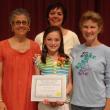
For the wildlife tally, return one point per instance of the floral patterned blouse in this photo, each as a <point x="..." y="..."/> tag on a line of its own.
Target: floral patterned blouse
<point x="60" y="66"/>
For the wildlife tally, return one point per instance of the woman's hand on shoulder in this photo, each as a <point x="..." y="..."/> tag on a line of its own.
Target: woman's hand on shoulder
<point x="36" y="58"/>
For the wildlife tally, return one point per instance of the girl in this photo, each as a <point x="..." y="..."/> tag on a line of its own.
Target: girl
<point x="53" y="60"/>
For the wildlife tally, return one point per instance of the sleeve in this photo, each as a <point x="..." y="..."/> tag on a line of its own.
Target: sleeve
<point x="76" y="40"/>
<point x="107" y="73"/>
<point x="39" y="39"/>
<point x="72" y="54"/>
<point x="37" y="48"/>
<point x="73" y="41"/>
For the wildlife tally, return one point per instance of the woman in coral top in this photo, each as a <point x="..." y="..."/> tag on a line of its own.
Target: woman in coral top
<point x="16" y="65"/>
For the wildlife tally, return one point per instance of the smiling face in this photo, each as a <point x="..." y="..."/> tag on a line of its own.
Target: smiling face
<point x="20" y="25"/>
<point x="90" y="31"/>
<point x="56" y="17"/>
<point x="52" y="42"/>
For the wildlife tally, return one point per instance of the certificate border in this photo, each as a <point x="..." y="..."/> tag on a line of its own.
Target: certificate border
<point x="41" y="77"/>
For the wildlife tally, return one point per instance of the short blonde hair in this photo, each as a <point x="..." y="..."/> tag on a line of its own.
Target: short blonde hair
<point x="91" y="15"/>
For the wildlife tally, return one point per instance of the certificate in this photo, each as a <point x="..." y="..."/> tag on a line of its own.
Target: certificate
<point x="51" y="87"/>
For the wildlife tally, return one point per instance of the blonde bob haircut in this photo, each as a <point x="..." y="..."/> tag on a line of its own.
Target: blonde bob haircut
<point x="91" y="15"/>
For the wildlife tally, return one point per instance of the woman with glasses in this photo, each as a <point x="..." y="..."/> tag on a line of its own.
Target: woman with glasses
<point x="16" y="64"/>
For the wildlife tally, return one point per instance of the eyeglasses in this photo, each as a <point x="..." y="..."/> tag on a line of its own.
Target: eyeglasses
<point x="18" y="22"/>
